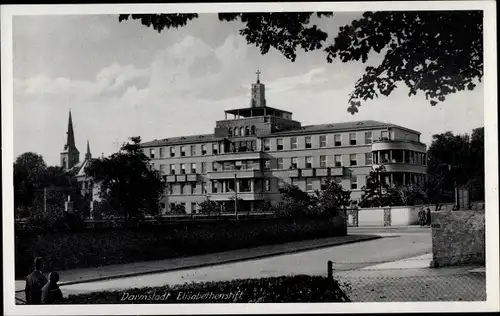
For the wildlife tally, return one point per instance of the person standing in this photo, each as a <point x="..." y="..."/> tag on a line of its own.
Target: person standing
<point x="421" y="216"/>
<point x="34" y="283"/>
<point x="428" y="217"/>
<point x="51" y="294"/>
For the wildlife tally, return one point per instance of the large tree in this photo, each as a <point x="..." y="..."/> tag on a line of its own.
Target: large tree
<point x="458" y="160"/>
<point x="128" y="183"/>
<point x="434" y="52"/>
<point x="29" y="170"/>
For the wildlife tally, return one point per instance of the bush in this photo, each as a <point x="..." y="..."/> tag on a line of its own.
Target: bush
<point x="70" y="250"/>
<point x="285" y="289"/>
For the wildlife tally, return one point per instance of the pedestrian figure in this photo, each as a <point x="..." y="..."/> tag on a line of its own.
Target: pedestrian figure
<point x="51" y="294"/>
<point x="421" y="216"/>
<point x="34" y="283"/>
<point x="428" y="217"/>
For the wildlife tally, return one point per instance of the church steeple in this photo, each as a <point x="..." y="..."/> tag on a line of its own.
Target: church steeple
<point x="88" y="155"/>
<point x="258" y="93"/>
<point x="70" y="156"/>
<point x="70" y="142"/>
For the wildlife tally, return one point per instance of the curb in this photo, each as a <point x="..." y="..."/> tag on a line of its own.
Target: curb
<point x="201" y="265"/>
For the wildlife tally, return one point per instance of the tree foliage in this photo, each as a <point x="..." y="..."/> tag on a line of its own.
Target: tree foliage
<point x="37" y="186"/>
<point x="326" y="202"/>
<point x="458" y="160"/>
<point x="128" y="182"/>
<point x="434" y="52"/>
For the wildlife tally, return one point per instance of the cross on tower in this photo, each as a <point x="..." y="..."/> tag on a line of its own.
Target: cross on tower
<point x="258" y="73"/>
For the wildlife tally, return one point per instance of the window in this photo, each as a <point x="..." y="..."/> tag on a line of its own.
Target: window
<point x="337" y="140"/>
<point x="203" y="167"/>
<point x="267" y="164"/>
<point x="172" y="169"/>
<point x="322" y="141"/>
<point x="193" y="207"/>
<point x="170" y="189"/>
<point x="152" y="153"/>
<point x="293" y="143"/>
<point x="308" y="142"/>
<point x="322" y="161"/>
<point x="279" y="144"/>
<point x="162" y="169"/>
<point x="182" y="188"/>
<point x="193" y="168"/>
<point x="214" y="166"/>
<point x="267" y="144"/>
<point x="309" y="184"/>
<point x="353" y="159"/>
<point x="309" y="162"/>
<point x="215" y="149"/>
<point x="295" y="163"/>
<point x="193" y="150"/>
<point x="267" y="185"/>
<point x="368" y="137"/>
<point x="236" y="131"/>
<point x="352" y="139"/>
<point x="193" y="188"/>
<point x="279" y="163"/>
<point x="368" y="159"/>
<point x="172" y="151"/>
<point x="242" y="131"/>
<point x="162" y="152"/>
<point x="183" y="168"/>
<point x="203" y="188"/>
<point x="384" y="135"/>
<point x="354" y="183"/>
<point x="203" y="149"/>
<point x="183" y="151"/>
<point x="252" y="130"/>
<point x="338" y="161"/>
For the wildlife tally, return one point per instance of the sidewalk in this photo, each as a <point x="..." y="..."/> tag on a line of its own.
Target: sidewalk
<point x="147" y="267"/>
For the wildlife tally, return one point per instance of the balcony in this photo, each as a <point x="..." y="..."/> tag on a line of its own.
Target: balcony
<point x="316" y="172"/>
<point x="171" y="178"/>
<point x="192" y="177"/>
<point x="387" y="144"/>
<point x="246" y="196"/>
<point x="246" y="155"/>
<point x="240" y="174"/>
<point x="402" y="167"/>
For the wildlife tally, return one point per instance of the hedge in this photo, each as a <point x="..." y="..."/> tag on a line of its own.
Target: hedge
<point x="85" y="249"/>
<point x="285" y="289"/>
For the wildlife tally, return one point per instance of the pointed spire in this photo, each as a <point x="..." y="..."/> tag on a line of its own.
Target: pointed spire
<point x="70" y="142"/>
<point x="88" y="155"/>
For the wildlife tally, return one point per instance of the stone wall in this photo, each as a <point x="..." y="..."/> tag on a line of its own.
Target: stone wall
<point x="458" y="237"/>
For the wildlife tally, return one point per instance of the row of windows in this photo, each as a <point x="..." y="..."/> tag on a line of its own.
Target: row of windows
<point x="267" y="164"/>
<point x="249" y="185"/>
<point x="337" y="141"/>
<point x="242" y="131"/>
<point x="294" y="144"/>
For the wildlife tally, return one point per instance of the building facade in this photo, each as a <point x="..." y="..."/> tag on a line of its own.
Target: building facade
<point x="256" y="150"/>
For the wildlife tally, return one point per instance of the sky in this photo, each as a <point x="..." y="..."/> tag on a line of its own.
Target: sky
<point x="124" y="79"/>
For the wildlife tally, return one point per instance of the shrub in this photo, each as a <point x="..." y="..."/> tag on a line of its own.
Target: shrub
<point x="284" y="289"/>
<point x="93" y="248"/>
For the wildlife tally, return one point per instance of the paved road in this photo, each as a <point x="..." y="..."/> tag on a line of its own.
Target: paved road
<point x="397" y="244"/>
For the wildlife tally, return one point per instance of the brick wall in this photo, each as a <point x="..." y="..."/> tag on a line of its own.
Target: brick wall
<point x="458" y="237"/>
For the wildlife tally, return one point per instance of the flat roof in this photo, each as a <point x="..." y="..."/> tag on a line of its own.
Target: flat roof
<point x="249" y="111"/>
<point x="333" y="127"/>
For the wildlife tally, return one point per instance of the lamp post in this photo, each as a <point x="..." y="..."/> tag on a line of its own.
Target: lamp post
<point x="235" y="196"/>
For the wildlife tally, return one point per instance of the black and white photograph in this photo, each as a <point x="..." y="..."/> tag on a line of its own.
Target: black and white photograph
<point x="240" y="157"/>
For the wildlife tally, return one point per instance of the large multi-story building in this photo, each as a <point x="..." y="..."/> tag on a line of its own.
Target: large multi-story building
<point x="253" y="154"/>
